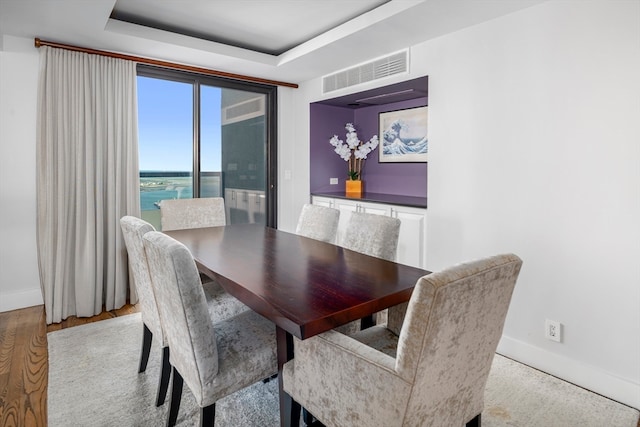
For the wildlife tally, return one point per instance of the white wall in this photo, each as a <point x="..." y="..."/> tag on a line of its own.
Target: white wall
<point x="293" y="156"/>
<point x="535" y="149"/>
<point x="19" y="279"/>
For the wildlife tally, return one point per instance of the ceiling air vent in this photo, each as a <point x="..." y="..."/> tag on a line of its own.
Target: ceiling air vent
<point x="391" y="65"/>
<point x="243" y="110"/>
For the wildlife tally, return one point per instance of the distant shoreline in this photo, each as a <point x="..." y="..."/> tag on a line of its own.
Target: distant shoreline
<point x="153" y="174"/>
<point x="156" y="186"/>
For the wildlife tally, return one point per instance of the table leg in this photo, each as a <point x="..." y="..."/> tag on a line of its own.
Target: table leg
<point x="289" y="409"/>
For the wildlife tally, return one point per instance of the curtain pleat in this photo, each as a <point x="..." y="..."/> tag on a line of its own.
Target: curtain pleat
<point x="87" y="179"/>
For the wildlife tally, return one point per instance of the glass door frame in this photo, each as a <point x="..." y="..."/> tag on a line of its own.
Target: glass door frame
<point x="270" y="92"/>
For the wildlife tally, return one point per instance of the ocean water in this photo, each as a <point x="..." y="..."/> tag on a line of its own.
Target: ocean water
<point x="154" y="189"/>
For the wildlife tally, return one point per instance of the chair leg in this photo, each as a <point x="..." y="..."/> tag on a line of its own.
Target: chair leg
<point x="208" y="415"/>
<point x="476" y="421"/>
<point x="307" y="417"/>
<point x="266" y="380"/>
<point x="176" y="396"/>
<point x="367" y="322"/>
<point x="146" y="348"/>
<point x="165" y="374"/>
<point x="293" y="410"/>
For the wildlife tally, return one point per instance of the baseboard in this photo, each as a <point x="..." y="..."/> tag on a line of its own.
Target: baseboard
<point x="581" y="374"/>
<point x="15" y="300"/>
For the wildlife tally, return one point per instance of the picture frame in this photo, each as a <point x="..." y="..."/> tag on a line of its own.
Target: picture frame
<point x="403" y="136"/>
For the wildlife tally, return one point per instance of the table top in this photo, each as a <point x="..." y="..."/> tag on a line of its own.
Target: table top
<point x="304" y="286"/>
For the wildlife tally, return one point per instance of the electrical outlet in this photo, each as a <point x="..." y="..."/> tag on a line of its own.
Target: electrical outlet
<point x="553" y="330"/>
<point x="333" y="181"/>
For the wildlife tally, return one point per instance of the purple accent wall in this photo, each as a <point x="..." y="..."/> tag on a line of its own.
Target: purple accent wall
<point x="409" y="179"/>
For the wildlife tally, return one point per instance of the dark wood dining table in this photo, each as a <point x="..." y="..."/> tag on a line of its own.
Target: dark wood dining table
<point x="304" y="286"/>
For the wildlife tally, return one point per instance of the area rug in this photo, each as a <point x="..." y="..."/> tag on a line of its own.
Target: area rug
<point x="93" y="380"/>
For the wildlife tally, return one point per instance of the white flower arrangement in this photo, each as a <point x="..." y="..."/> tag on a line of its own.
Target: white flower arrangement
<point x="353" y="151"/>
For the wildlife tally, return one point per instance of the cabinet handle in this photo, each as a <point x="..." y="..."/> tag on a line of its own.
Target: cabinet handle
<point x="233" y="195"/>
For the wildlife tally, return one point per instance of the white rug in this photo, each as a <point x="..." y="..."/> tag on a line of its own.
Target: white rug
<point x="93" y="380"/>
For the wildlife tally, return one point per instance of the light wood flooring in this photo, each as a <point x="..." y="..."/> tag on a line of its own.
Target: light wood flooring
<point x="24" y="365"/>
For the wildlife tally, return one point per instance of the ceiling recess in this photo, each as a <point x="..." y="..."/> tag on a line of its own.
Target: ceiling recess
<point x="391" y="65"/>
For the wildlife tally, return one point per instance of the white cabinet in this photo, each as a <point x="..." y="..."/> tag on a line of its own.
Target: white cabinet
<point x="346" y="208"/>
<point x="244" y="206"/>
<point x="413" y="229"/>
<point x="256" y="205"/>
<point x="323" y="201"/>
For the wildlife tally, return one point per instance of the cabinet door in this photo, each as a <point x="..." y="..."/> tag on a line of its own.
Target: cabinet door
<point x="229" y="202"/>
<point x="374" y="208"/>
<point x="411" y="242"/>
<point x="237" y="206"/>
<point x="322" y="201"/>
<point x="346" y="208"/>
<point x="256" y="206"/>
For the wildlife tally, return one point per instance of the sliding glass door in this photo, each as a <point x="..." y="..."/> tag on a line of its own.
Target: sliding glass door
<point x="206" y="137"/>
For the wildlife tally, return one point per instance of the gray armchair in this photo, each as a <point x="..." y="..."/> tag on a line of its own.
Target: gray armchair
<point x="318" y="222"/>
<point x="213" y="359"/>
<point x="432" y="373"/>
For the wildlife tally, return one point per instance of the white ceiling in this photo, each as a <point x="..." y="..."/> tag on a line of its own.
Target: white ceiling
<point x="246" y="23"/>
<point x="286" y="40"/>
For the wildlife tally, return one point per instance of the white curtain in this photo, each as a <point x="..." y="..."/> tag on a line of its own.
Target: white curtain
<point x="87" y="179"/>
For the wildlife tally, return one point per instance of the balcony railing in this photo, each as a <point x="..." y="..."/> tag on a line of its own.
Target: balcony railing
<point x="156" y="186"/>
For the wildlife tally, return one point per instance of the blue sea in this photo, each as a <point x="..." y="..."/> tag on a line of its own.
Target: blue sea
<point x="165" y="186"/>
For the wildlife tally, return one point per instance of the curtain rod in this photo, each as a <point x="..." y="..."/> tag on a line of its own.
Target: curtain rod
<point x="166" y="64"/>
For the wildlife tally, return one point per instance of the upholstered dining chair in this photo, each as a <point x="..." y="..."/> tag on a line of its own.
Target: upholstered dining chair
<point x="179" y="214"/>
<point x="318" y="222"/>
<point x="370" y="234"/>
<point x="374" y="235"/>
<point x="215" y="359"/>
<point x="426" y="367"/>
<point x="222" y="305"/>
<point x="133" y="229"/>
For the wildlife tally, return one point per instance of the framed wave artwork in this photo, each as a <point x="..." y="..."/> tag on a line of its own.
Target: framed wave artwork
<point x="403" y="135"/>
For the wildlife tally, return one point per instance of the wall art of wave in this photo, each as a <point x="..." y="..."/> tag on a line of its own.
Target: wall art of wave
<point x="401" y="146"/>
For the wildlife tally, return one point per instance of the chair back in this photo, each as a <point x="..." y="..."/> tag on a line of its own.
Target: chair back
<point x="453" y="323"/>
<point x="183" y="311"/>
<point x="133" y="229"/>
<point x="374" y="235"/>
<point x="179" y="214"/>
<point x="318" y="222"/>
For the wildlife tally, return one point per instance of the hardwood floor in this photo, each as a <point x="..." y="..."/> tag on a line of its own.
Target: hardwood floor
<point x="24" y="366"/>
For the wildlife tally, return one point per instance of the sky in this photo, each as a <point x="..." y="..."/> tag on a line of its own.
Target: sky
<point x="165" y="125"/>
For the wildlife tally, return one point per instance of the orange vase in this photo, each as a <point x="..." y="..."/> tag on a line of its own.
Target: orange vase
<point x="353" y="188"/>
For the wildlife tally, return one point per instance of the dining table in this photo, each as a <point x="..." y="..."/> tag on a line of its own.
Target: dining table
<point x="304" y="286"/>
